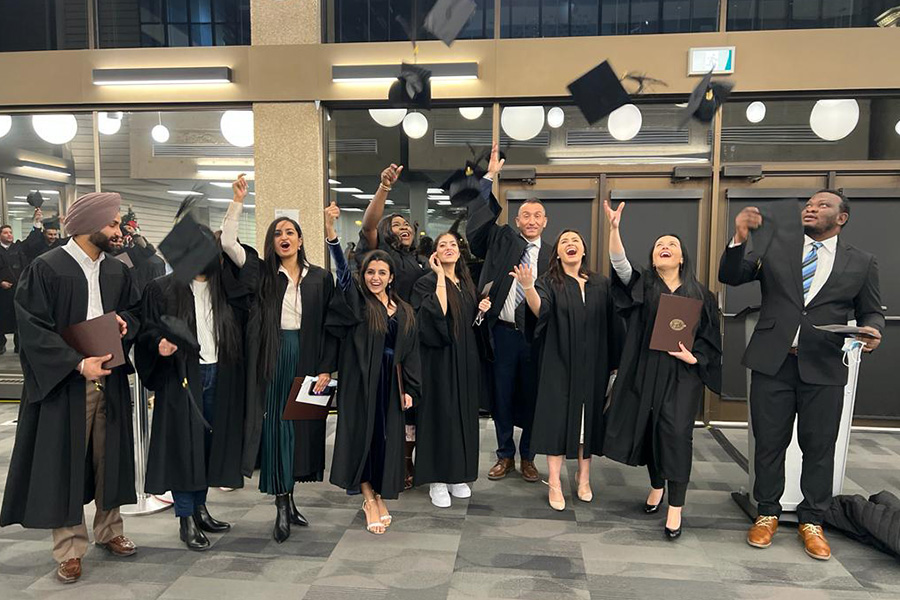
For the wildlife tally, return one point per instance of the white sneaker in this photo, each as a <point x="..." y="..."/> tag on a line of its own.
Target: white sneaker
<point x="460" y="490"/>
<point x="440" y="497"/>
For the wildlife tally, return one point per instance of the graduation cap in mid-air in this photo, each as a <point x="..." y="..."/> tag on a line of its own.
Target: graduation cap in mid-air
<point x="706" y="99"/>
<point x="412" y="88"/>
<point x="35" y="199"/>
<point x="464" y="185"/>
<point x="598" y="92"/>
<point x="189" y="248"/>
<point x="448" y="17"/>
<point x="187" y="205"/>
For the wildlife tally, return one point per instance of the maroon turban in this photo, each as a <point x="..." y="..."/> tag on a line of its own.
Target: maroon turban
<point x="92" y="212"/>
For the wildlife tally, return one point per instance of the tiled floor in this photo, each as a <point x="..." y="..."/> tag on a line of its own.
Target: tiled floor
<point x="503" y="543"/>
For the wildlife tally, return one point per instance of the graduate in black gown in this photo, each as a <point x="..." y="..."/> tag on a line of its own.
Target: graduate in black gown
<point x="12" y="262"/>
<point x="656" y="394"/>
<point x="447" y="424"/>
<point x="379" y="356"/>
<point x="395" y="235"/>
<point x="197" y="438"/>
<point x="578" y="337"/>
<point x="285" y="339"/>
<point x="74" y="439"/>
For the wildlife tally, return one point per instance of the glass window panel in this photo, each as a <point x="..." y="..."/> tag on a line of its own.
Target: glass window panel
<point x="525" y="19"/>
<point x="151" y="10"/>
<point x="785" y="134"/>
<point x="177" y="11"/>
<point x="225" y="11"/>
<point x="201" y="35"/>
<point x="585" y="17"/>
<point x="644" y="16"/>
<point x="225" y="35"/>
<point x="201" y="11"/>
<point x="153" y="35"/>
<point x="745" y="15"/>
<point x="178" y="35"/>
<point x="34" y="25"/>
<point x="614" y="18"/>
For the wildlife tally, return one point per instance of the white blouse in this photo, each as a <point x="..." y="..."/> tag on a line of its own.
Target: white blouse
<point x="209" y="354"/>
<point x="292" y="306"/>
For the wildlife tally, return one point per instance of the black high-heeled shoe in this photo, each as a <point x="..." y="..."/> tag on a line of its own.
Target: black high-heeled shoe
<point x="673" y="534"/>
<point x="207" y="523"/>
<point x="651" y="509"/>
<point x="296" y="517"/>
<point x="191" y="535"/>
<point x="282" y="529"/>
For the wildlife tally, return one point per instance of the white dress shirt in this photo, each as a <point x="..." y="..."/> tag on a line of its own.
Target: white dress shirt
<point x="91" y="269"/>
<point x="508" y="313"/>
<point x="292" y="306"/>
<point x="229" y="238"/>
<point x="824" y="265"/>
<point x="206" y="333"/>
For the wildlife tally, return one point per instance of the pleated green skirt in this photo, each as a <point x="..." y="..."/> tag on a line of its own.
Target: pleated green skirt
<point x="276" y="472"/>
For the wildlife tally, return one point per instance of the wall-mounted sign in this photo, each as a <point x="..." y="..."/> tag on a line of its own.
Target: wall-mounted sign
<point x="719" y="60"/>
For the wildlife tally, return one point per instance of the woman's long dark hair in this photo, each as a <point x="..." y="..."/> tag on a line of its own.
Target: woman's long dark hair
<point x="689" y="284"/>
<point x="375" y="311"/>
<point x="466" y="285"/>
<point x="556" y="274"/>
<point x="269" y="293"/>
<point x="387" y="235"/>
<point x="227" y="331"/>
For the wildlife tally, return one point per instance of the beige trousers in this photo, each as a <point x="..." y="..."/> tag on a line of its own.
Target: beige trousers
<point x="72" y="542"/>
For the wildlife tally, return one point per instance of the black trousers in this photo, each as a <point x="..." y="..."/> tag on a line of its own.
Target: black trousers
<point x="512" y="363"/>
<point x="774" y="401"/>
<point x="677" y="489"/>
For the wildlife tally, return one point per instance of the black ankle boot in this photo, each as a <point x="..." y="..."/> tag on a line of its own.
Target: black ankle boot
<point x="282" y="530"/>
<point x="191" y="535"/>
<point x="206" y="523"/>
<point x="296" y="517"/>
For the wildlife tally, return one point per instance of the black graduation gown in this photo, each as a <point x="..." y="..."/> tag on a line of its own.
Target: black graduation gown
<point x="35" y="245"/>
<point x="652" y="386"/>
<point x="51" y="473"/>
<point x="579" y="342"/>
<point x="318" y="354"/>
<point x="447" y="423"/>
<point x="407" y="267"/>
<point x="359" y="368"/>
<point x="12" y="261"/>
<point x="177" y="456"/>
<point x="147" y="265"/>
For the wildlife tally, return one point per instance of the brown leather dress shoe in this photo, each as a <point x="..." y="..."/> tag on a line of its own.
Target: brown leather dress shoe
<point x="120" y="546"/>
<point x="814" y="541"/>
<point x="69" y="571"/>
<point x="501" y="468"/>
<point x="529" y="471"/>
<point x="762" y="531"/>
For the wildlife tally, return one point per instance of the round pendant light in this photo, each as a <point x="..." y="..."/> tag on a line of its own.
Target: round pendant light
<point x="415" y="125"/>
<point x="55" y="129"/>
<point x="756" y="112"/>
<point x="471" y="112"/>
<point x="833" y="120"/>
<point x="5" y="124"/>
<point x="556" y="117"/>
<point x="237" y="127"/>
<point x="625" y="122"/>
<point x="522" y="123"/>
<point x="107" y="124"/>
<point x="387" y="117"/>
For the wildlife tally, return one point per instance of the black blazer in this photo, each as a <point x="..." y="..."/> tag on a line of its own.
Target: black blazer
<point x="850" y="291"/>
<point x="502" y="248"/>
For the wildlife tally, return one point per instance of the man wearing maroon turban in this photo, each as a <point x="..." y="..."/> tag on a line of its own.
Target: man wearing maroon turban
<point x="74" y="439"/>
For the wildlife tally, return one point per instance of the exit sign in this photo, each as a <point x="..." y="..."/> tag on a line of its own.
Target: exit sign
<point x="718" y="60"/>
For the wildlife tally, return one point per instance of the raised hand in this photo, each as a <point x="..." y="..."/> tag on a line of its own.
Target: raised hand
<point x="684" y="355"/>
<point x="38" y="215"/>
<point x="747" y="219"/>
<point x="524" y="276"/>
<point x="167" y="348"/>
<point x="496" y="163"/>
<point x="240" y="188"/>
<point x="613" y="216"/>
<point x="332" y="212"/>
<point x="435" y="263"/>
<point x="390" y="175"/>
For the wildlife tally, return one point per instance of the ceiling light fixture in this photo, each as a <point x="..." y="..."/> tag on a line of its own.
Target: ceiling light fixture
<point x="162" y="76"/>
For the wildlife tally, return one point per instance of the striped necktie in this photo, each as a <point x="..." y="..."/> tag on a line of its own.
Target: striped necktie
<point x="525" y="263"/>
<point x="809" y="267"/>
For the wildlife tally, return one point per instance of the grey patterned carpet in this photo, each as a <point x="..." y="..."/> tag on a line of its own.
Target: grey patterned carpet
<point x="503" y="543"/>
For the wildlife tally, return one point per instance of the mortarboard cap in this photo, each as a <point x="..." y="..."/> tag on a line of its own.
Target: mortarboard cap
<point x="189" y="248"/>
<point x="448" y="17"/>
<point x="51" y="223"/>
<point x="464" y="185"/>
<point x="187" y="205"/>
<point x="177" y="332"/>
<point x="412" y="88"/>
<point x="35" y="199"/>
<point x="706" y="98"/>
<point x="598" y="92"/>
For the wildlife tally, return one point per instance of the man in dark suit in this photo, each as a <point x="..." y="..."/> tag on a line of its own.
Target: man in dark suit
<point x="807" y="278"/>
<point x="502" y="248"/>
<point x="12" y="261"/>
<point x="43" y="237"/>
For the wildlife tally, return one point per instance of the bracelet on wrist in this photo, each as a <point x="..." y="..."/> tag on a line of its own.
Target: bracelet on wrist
<point x="527" y="288"/>
<point x="384" y="187"/>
